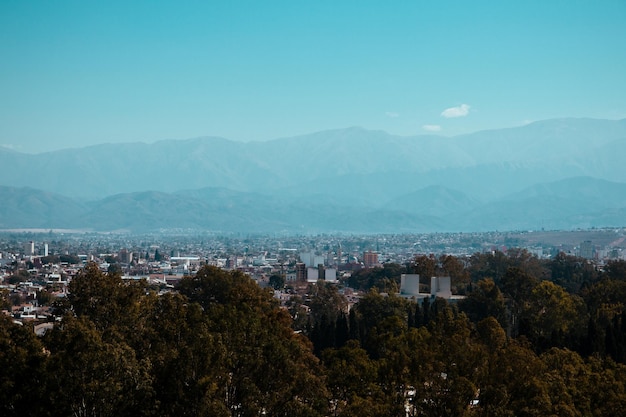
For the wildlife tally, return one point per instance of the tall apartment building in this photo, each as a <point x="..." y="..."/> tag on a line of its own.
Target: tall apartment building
<point x="370" y="259"/>
<point x="301" y="270"/>
<point x="586" y="250"/>
<point x="29" y="248"/>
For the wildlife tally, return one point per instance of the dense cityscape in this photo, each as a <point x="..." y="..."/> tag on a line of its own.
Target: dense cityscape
<point x="32" y="262"/>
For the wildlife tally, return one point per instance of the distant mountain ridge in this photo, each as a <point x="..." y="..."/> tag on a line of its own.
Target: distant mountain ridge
<point x="432" y="209"/>
<point x="553" y="173"/>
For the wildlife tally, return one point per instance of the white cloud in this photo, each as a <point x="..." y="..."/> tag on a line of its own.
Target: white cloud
<point x="432" y="128"/>
<point x="460" y="111"/>
<point x="392" y="114"/>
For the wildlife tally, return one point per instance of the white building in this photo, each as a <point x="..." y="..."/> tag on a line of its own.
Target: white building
<point x="439" y="287"/>
<point x="29" y="248"/>
<point x="311" y="260"/>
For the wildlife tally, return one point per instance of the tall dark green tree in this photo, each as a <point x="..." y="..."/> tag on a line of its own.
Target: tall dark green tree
<point x="484" y="301"/>
<point x="90" y="376"/>
<point x="22" y="371"/>
<point x="267" y="368"/>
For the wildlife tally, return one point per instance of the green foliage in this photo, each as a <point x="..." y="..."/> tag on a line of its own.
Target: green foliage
<point x="495" y="265"/>
<point x="379" y="317"/>
<point x="616" y="270"/>
<point x="265" y="366"/>
<point x="105" y="299"/>
<point x="325" y="301"/>
<point x="44" y="298"/>
<point x="385" y="279"/>
<point x="552" y="314"/>
<point x="426" y="267"/>
<point x="92" y="376"/>
<point x="277" y="281"/>
<point x="571" y="272"/>
<point x="5" y="299"/>
<point x="70" y="259"/>
<point x="50" y="259"/>
<point x="452" y="267"/>
<point x="485" y="300"/>
<point x="22" y="370"/>
<point x="21" y="275"/>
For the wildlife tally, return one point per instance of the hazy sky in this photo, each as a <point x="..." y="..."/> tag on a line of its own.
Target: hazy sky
<point x="75" y="73"/>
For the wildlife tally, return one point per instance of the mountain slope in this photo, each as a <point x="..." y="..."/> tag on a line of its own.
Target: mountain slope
<point x="573" y="203"/>
<point x="433" y="201"/>
<point x="579" y="202"/>
<point x="31" y="208"/>
<point x="482" y="164"/>
<point x="555" y="174"/>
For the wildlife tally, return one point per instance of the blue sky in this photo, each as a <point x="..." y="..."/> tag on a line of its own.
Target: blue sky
<point x="76" y="73"/>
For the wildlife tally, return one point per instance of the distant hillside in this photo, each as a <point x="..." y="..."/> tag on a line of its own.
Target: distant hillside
<point x="28" y="207"/>
<point x="350" y="162"/>
<point x="580" y="202"/>
<point x="434" y="201"/>
<point x="573" y="203"/>
<point x="560" y="173"/>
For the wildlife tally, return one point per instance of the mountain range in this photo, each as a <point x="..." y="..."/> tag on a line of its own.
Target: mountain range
<point x="556" y="174"/>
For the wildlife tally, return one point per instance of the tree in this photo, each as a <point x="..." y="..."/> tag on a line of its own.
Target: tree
<point x="571" y="272"/>
<point x="616" y="269"/>
<point x="517" y="286"/>
<point x="22" y="371"/>
<point x="380" y="315"/>
<point x="44" y="298"/>
<point x="187" y="358"/>
<point x="93" y="377"/>
<point x="512" y="384"/>
<point x="496" y="264"/>
<point x="21" y="275"/>
<point x="325" y="301"/>
<point x="277" y="281"/>
<point x="484" y="301"/>
<point x="257" y="341"/>
<point x="385" y="279"/>
<point x="106" y="300"/>
<point x="552" y="314"/>
<point x="451" y="266"/>
<point x="491" y="334"/>
<point x="444" y="364"/>
<point x="488" y="265"/>
<point x="426" y="267"/>
<point x="70" y="259"/>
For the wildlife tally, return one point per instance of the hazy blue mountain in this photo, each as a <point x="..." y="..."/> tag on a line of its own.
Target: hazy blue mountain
<point x="576" y="202"/>
<point x="354" y="160"/>
<point x="558" y="173"/>
<point x="433" y="201"/>
<point x="591" y="192"/>
<point x="544" y="140"/>
<point x="231" y="211"/>
<point x="30" y="208"/>
<point x="579" y="202"/>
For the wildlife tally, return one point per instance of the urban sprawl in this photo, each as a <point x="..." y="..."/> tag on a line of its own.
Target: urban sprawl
<point x="36" y="268"/>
